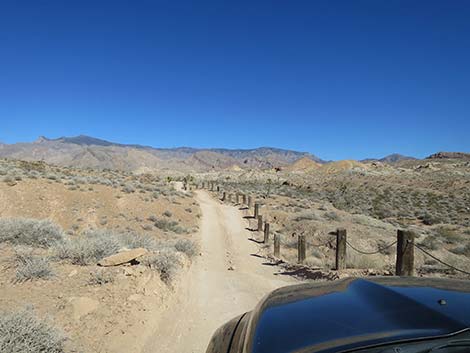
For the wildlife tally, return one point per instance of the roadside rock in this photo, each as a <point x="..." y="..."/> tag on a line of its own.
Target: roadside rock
<point x="122" y="257"/>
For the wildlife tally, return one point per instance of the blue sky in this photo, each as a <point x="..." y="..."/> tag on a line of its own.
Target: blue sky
<point x="340" y="79"/>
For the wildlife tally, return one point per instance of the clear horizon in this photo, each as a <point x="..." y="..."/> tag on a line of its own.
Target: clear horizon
<point x="340" y="80"/>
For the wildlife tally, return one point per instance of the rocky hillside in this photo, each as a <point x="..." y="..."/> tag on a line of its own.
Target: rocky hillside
<point x="450" y="155"/>
<point x="89" y="152"/>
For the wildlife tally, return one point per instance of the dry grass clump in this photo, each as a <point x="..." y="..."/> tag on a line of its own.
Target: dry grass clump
<point x="166" y="261"/>
<point x="170" y="226"/>
<point x="188" y="247"/>
<point x="100" y="277"/>
<point x="87" y="248"/>
<point x="361" y="261"/>
<point x="31" y="232"/>
<point x="23" y="332"/>
<point x="30" y="267"/>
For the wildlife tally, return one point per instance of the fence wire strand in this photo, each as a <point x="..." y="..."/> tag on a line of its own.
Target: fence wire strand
<point x="439" y="260"/>
<point x="379" y="250"/>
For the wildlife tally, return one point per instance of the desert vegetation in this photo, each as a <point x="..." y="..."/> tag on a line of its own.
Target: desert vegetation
<point x="57" y="224"/>
<point x="371" y="200"/>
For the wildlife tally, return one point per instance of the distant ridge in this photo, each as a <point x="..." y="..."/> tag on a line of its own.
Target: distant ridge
<point x="391" y="158"/>
<point x="91" y="152"/>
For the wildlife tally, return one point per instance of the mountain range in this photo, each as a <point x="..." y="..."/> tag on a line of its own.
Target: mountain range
<point x="90" y="152"/>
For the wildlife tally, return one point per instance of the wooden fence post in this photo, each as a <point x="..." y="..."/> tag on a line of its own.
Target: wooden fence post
<point x="237" y="198"/>
<point x="277" y="245"/>
<point x="266" y="232"/>
<point x="255" y="215"/>
<point x="405" y="253"/>
<point x="301" y="250"/>
<point x="341" y="249"/>
<point x="223" y="196"/>
<point x="218" y="188"/>
<point x="249" y="201"/>
<point x="244" y="199"/>
<point x="260" y="223"/>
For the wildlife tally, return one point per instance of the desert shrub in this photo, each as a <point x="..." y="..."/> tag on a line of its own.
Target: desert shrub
<point x="128" y="189"/>
<point x="8" y="179"/>
<point x="169" y="226"/>
<point x="356" y="260"/>
<point x="430" y="219"/>
<point x="88" y="248"/>
<point x="152" y="218"/>
<point x="187" y="247"/>
<point x="167" y="214"/>
<point x="447" y="234"/>
<point x="312" y="261"/>
<point x="100" y="277"/>
<point x="23" y="332"/>
<point x="332" y="216"/>
<point x="462" y="250"/>
<point x="91" y="246"/>
<point x="306" y="216"/>
<point x="167" y="262"/>
<point x="146" y="227"/>
<point x="133" y="240"/>
<point x="31" y="232"/>
<point x="30" y="267"/>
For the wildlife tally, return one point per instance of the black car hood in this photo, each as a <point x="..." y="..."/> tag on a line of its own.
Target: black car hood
<point x="354" y="313"/>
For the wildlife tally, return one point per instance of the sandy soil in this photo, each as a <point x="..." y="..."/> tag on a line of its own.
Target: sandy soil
<point x="227" y="280"/>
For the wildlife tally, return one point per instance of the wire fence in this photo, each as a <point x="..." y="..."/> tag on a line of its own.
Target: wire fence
<point x="441" y="261"/>
<point x="380" y="249"/>
<point x="427" y="253"/>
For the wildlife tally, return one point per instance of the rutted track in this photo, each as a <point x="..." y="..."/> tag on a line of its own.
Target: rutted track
<point x="211" y="293"/>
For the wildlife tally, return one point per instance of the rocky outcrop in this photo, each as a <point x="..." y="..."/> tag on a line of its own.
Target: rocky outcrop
<point x="450" y="155"/>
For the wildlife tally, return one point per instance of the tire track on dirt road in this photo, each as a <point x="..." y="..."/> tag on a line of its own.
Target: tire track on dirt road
<point x="211" y="294"/>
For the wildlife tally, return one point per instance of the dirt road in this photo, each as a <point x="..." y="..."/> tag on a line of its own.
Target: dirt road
<point x="211" y="293"/>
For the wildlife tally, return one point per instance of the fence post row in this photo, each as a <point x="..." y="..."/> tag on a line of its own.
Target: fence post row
<point x="301" y="250"/>
<point x="341" y="249"/>
<point x="277" y="245"/>
<point x="405" y="253"/>
<point x="266" y="232"/>
<point x="405" y="238"/>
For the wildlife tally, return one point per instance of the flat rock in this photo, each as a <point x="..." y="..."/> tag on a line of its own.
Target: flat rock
<point x="122" y="257"/>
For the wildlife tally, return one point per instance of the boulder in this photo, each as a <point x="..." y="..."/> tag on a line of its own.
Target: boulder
<point x="122" y="257"/>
